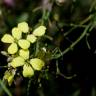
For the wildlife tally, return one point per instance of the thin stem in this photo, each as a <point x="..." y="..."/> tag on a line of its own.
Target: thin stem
<point x="75" y="25"/>
<point x="88" y="45"/>
<point x="73" y="44"/>
<point x="92" y="5"/>
<point x="79" y="25"/>
<point x="86" y="19"/>
<point x="3" y="66"/>
<point x="29" y="85"/>
<point x="68" y="32"/>
<point x="5" y="88"/>
<point x="37" y="48"/>
<point x="36" y="9"/>
<point x="59" y="73"/>
<point x="43" y="15"/>
<point x="48" y="37"/>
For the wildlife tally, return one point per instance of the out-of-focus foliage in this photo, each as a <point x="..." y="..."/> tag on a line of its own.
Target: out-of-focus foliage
<point x="70" y="38"/>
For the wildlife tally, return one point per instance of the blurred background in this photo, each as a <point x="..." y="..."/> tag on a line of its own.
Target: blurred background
<point x="67" y="21"/>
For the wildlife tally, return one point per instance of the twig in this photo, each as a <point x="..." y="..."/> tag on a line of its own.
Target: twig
<point x="73" y="44"/>
<point x="3" y="66"/>
<point x="64" y="76"/>
<point x="78" y="25"/>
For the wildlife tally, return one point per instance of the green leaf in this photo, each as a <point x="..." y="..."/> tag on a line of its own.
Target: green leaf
<point x="5" y="88"/>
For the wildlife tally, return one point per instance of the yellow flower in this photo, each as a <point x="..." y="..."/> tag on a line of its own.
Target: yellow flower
<point x="24" y="44"/>
<point x="24" y="53"/>
<point x="23" y="26"/>
<point x="7" y="38"/>
<point x="27" y="71"/>
<point x="40" y="31"/>
<point x="36" y="63"/>
<point x="9" y="76"/>
<point x="15" y="40"/>
<point x="10" y="79"/>
<point x="31" y="38"/>
<point x="18" y="61"/>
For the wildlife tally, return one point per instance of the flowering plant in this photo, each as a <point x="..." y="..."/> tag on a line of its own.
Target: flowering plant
<point x="19" y="51"/>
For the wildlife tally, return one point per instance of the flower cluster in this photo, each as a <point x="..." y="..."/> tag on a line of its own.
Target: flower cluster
<point x="19" y="47"/>
<point x="16" y="38"/>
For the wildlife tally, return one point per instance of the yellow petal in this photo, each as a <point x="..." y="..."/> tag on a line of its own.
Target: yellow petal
<point x="27" y="71"/>
<point x="24" y="44"/>
<point x="18" y="61"/>
<point x="37" y="64"/>
<point x="12" y="49"/>
<point x="9" y="77"/>
<point x="40" y="31"/>
<point x="31" y="38"/>
<point x="24" y="53"/>
<point x="16" y="33"/>
<point x="23" y="26"/>
<point x="7" y="38"/>
<point x="6" y="74"/>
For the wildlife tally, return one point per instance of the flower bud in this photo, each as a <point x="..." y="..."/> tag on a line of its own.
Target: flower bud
<point x="9" y="77"/>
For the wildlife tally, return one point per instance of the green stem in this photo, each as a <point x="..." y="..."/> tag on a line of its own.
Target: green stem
<point x="3" y="66"/>
<point x="37" y="48"/>
<point x="78" y="25"/>
<point x="36" y="9"/>
<point x="68" y="32"/>
<point x="5" y="88"/>
<point x="29" y="85"/>
<point x="73" y="44"/>
<point x="86" y="19"/>
<point x="48" y="37"/>
<point x="92" y="5"/>
<point x="75" y="25"/>
<point x="43" y="15"/>
<point x="88" y="45"/>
